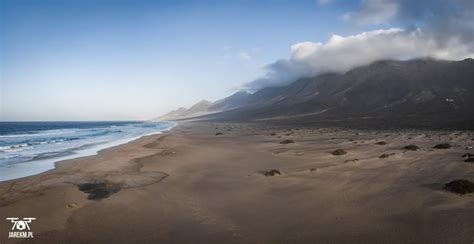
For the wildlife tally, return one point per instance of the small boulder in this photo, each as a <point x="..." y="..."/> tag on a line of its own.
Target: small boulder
<point x="287" y="141"/>
<point x="411" y="148"/>
<point x="219" y="134"/>
<point x="460" y="186"/>
<point x="272" y="172"/>
<point x="381" y="143"/>
<point x="339" y="152"/>
<point x="443" y="146"/>
<point x="72" y="205"/>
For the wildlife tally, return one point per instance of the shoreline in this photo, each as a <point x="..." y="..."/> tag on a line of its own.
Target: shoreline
<point x="62" y="162"/>
<point x="45" y="164"/>
<point x="193" y="184"/>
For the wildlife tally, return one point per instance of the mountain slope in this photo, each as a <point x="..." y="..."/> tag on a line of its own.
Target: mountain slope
<point x="419" y="90"/>
<point x="177" y="113"/>
<point x="235" y="100"/>
<point x="197" y="109"/>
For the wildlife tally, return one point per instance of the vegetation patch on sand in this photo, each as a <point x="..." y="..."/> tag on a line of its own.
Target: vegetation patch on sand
<point x="411" y="148"/>
<point x="443" y="146"/>
<point x="460" y="186"/>
<point x="98" y="190"/>
<point x="386" y="155"/>
<point x="469" y="160"/>
<point x="272" y="172"/>
<point x="468" y="156"/>
<point x="351" y="160"/>
<point x="339" y="152"/>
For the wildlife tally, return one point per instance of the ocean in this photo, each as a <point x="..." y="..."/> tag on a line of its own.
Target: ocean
<point x="28" y="148"/>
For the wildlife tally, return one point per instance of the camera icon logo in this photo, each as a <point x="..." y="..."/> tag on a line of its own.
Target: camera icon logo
<point x="21" y="224"/>
<point x="21" y="227"/>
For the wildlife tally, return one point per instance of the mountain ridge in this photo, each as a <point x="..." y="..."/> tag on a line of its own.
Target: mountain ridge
<point x="420" y="89"/>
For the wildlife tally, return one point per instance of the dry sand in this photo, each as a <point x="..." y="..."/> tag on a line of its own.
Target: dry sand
<point x="191" y="186"/>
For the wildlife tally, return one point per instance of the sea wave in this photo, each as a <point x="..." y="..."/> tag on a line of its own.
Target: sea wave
<point x="26" y="144"/>
<point x="55" y="144"/>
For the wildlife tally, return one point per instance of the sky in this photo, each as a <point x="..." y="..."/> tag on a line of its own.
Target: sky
<point x="138" y="59"/>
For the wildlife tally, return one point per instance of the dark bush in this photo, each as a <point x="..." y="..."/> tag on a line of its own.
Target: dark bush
<point x="469" y="160"/>
<point x="272" y="172"/>
<point x="443" y="146"/>
<point x="339" y="152"/>
<point x="351" y="160"/>
<point x="386" y="155"/>
<point x="460" y="186"/>
<point x="411" y="148"/>
<point x="98" y="190"/>
<point x="468" y="155"/>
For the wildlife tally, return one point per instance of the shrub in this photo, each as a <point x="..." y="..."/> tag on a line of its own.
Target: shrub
<point x="411" y="148"/>
<point x="272" y="172"/>
<point x="460" y="186"/>
<point x="339" y="152"/>
<point x="443" y="146"/>
<point x="386" y="155"/>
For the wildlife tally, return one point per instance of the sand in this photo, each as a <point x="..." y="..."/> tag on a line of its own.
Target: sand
<point x="190" y="185"/>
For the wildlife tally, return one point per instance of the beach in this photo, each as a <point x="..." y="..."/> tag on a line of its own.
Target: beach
<point x="207" y="182"/>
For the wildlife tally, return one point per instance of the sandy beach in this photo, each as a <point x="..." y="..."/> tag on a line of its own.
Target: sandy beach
<point x="205" y="183"/>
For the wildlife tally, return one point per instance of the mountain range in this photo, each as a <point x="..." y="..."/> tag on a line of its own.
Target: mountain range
<point x="387" y="93"/>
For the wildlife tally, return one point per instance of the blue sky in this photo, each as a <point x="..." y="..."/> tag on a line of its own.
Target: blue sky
<point x="122" y="60"/>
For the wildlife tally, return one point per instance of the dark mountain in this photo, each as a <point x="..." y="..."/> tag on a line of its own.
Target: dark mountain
<point x="422" y="92"/>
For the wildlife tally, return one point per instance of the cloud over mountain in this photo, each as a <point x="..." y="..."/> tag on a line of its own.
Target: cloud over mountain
<point x="445" y="30"/>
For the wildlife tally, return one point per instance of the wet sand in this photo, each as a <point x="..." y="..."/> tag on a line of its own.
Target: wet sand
<point x="193" y="186"/>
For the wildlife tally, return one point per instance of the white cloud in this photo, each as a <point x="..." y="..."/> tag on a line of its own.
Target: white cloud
<point x="373" y="12"/>
<point x="242" y="55"/>
<point x="340" y="54"/>
<point x="439" y="29"/>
